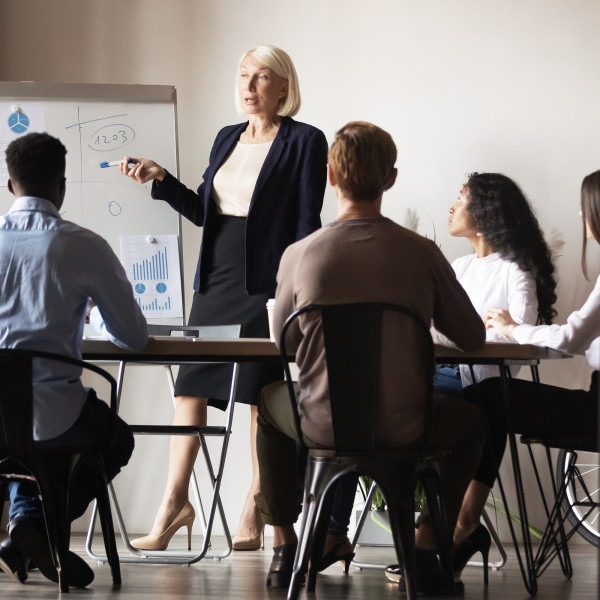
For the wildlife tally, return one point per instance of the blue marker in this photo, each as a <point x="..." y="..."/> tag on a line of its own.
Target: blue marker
<point x="113" y="163"/>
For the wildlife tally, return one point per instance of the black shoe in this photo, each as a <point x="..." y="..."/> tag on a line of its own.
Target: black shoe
<point x="282" y="565"/>
<point x="478" y="541"/>
<point x="12" y="562"/>
<point x="430" y="579"/>
<point x="340" y="549"/>
<point x="29" y="536"/>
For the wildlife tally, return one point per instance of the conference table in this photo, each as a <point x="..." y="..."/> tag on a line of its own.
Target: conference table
<point x="177" y="350"/>
<point x="181" y="350"/>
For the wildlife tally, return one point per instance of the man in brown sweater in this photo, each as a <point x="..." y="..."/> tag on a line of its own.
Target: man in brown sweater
<point x="362" y="256"/>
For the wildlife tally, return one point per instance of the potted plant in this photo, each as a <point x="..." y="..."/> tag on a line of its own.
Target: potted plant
<point x="376" y="530"/>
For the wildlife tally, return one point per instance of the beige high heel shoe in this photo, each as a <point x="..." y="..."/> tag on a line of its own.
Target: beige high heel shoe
<point x="160" y="542"/>
<point x="254" y="542"/>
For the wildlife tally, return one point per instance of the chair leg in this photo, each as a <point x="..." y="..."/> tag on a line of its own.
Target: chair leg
<point x="318" y="476"/>
<point x="318" y="539"/>
<point x="309" y="513"/>
<point x="55" y="503"/>
<point x="108" y="531"/>
<point x="432" y="484"/>
<point x="401" y="513"/>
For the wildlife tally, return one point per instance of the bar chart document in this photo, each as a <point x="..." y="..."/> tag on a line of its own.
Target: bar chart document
<point x="152" y="265"/>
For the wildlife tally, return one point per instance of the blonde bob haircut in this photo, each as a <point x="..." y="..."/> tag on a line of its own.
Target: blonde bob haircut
<point x="281" y="64"/>
<point x="362" y="157"/>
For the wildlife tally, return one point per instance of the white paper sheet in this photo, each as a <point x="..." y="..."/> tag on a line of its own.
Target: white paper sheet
<point x="152" y="266"/>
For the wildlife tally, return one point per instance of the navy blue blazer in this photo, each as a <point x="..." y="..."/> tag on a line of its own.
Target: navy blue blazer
<point x="285" y="206"/>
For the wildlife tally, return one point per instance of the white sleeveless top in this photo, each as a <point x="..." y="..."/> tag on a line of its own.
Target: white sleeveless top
<point x="235" y="181"/>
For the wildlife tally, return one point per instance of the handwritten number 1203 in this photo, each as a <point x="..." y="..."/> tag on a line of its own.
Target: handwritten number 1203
<point x="111" y="137"/>
<point x="102" y="139"/>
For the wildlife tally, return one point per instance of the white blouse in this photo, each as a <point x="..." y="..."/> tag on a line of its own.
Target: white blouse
<point x="491" y="282"/>
<point x="581" y="333"/>
<point x="235" y="180"/>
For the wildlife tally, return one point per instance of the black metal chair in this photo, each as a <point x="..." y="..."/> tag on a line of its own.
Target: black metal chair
<point x="572" y="501"/>
<point x="352" y="338"/>
<point x="53" y="469"/>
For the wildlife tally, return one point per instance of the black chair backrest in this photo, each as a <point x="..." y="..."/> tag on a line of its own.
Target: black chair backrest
<point x="199" y="331"/>
<point x="354" y="337"/>
<point x="16" y="397"/>
<point x="16" y="402"/>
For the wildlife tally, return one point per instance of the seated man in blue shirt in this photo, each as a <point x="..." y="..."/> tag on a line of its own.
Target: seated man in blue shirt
<point x="50" y="269"/>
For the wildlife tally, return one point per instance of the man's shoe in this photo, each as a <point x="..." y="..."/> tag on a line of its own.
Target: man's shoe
<point x="282" y="565"/>
<point x="29" y="536"/>
<point x="12" y="562"/>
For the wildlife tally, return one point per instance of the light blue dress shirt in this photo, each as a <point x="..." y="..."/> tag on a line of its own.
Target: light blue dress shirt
<point x="49" y="268"/>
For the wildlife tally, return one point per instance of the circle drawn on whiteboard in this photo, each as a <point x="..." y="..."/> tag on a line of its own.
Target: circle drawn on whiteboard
<point x="18" y="122"/>
<point x="114" y="208"/>
<point x="140" y="288"/>
<point x="161" y="288"/>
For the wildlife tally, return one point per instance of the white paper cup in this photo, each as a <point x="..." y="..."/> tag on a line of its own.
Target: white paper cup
<point x="270" y="313"/>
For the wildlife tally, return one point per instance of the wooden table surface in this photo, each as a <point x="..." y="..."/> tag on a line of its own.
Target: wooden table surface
<point x="251" y="349"/>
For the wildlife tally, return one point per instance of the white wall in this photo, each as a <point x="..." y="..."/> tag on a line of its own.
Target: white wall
<point x="468" y="85"/>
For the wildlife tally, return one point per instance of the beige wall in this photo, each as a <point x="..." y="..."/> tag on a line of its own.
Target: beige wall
<point x="462" y="86"/>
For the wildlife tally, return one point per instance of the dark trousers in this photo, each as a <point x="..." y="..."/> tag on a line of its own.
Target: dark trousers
<point x="456" y="430"/>
<point x="91" y="425"/>
<point x="535" y="409"/>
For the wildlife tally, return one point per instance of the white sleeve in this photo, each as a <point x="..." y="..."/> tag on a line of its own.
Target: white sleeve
<point x="522" y="296"/>
<point x="521" y="303"/>
<point x="117" y="315"/>
<point x="576" y="336"/>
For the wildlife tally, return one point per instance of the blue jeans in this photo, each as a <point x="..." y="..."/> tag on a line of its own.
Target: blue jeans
<point x="90" y="425"/>
<point x="446" y="380"/>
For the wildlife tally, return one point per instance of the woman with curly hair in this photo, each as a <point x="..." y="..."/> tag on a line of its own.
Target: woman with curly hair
<point x="537" y="409"/>
<point x="511" y="267"/>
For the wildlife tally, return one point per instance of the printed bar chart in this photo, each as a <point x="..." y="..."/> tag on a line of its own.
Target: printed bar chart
<point x="155" y="268"/>
<point x="152" y="266"/>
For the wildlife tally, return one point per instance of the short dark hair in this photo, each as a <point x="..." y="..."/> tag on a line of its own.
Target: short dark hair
<point x="362" y="158"/>
<point x="35" y="160"/>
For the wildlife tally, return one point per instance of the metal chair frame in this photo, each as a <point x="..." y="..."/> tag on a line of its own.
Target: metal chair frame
<point x="326" y="467"/>
<point x="172" y="556"/>
<point x="53" y="469"/>
<point x="554" y="542"/>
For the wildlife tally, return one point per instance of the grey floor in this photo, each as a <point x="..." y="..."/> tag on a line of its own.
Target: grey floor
<point x="242" y="575"/>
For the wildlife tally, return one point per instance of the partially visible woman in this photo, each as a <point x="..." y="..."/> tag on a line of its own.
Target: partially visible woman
<point x="263" y="189"/>
<point x="537" y="409"/>
<point x="511" y="267"/>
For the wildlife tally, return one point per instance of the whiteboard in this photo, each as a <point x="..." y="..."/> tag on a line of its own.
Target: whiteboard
<point x="97" y="123"/>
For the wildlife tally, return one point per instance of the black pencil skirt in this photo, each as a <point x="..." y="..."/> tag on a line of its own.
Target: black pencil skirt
<point x="226" y="302"/>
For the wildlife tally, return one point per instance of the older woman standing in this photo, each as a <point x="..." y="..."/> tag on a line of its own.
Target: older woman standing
<point x="263" y="190"/>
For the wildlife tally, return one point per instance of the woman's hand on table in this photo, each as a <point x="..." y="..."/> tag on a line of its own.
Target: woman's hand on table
<point x="142" y="169"/>
<point x="500" y="320"/>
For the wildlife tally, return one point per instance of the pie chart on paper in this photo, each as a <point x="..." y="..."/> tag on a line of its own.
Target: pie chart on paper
<point x="18" y="122"/>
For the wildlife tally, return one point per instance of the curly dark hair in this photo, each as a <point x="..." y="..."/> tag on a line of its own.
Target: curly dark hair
<point x="506" y="221"/>
<point x="35" y="160"/>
